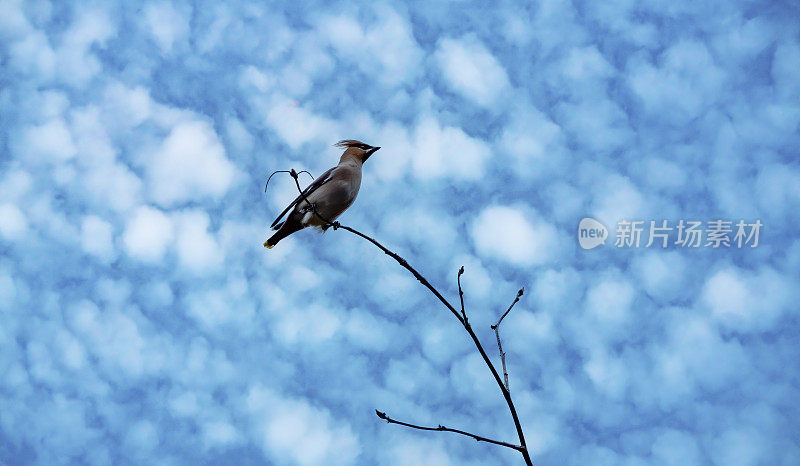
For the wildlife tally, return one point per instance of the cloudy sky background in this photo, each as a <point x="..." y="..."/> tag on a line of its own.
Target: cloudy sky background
<point x="141" y="320"/>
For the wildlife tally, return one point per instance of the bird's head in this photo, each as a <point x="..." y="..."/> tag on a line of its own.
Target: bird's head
<point x="357" y="149"/>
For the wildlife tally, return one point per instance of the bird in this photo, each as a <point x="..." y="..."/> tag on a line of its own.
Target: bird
<point x="331" y="194"/>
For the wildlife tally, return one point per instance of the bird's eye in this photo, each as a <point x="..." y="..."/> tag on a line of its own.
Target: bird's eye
<point x="364" y="146"/>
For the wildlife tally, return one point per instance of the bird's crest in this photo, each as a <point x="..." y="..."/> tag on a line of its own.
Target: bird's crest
<point x="351" y="143"/>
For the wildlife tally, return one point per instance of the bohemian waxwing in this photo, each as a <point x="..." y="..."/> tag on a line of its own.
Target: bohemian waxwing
<point x="332" y="193"/>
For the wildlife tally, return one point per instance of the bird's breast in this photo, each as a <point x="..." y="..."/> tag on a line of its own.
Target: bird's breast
<point x="338" y="194"/>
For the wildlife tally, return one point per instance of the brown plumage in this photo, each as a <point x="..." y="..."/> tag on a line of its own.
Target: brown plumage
<point x="331" y="193"/>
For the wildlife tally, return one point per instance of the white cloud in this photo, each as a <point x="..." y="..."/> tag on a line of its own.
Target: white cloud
<point x="662" y="274"/>
<point x="126" y="134"/>
<point x="8" y="288"/>
<point x="15" y="185"/>
<point x="784" y="69"/>
<point x="476" y="280"/>
<point x="77" y="64"/>
<point x="777" y="191"/>
<point x="292" y="431"/>
<point x="442" y="344"/>
<point x="367" y="331"/>
<point x="34" y="55"/>
<point x="676" y="448"/>
<point x="471" y="380"/>
<point x="382" y="47"/>
<point x="446" y="151"/>
<point x="395" y="291"/>
<point x="555" y="27"/>
<point x="121" y="344"/>
<point x="740" y="446"/>
<point x="92" y="140"/>
<point x="616" y="198"/>
<point x="609" y="301"/>
<point x="471" y="70"/>
<point x="684" y="85"/>
<point x="598" y="124"/>
<point x="407" y="449"/>
<point x="148" y="234"/>
<point x="525" y="330"/>
<point x="14" y="224"/>
<point x="223" y="306"/>
<point x="409" y="374"/>
<point x="743" y="42"/>
<point x="607" y="373"/>
<point x="142" y="436"/>
<point x="306" y="324"/>
<point x="12" y="18"/>
<point x="296" y="125"/>
<point x="583" y="73"/>
<point x="515" y="236"/>
<point x="166" y="24"/>
<point x="619" y="18"/>
<point x="536" y="143"/>
<point x="131" y="106"/>
<point x="198" y="250"/>
<point x="220" y="434"/>
<point x="50" y="141"/>
<point x="112" y="185"/>
<point x="664" y="174"/>
<point x="556" y="289"/>
<point x="747" y="301"/>
<point x="190" y="165"/>
<point x="697" y="355"/>
<point x="431" y="234"/>
<point x="392" y="161"/>
<point x="97" y="237"/>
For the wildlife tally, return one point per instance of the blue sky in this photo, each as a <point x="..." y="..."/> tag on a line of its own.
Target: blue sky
<point x="142" y="322"/>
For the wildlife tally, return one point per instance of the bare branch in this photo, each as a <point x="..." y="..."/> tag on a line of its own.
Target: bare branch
<point x="285" y="171"/>
<point x="496" y="328"/>
<point x="502" y="358"/>
<point x="522" y="448"/>
<point x="441" y="428"/>
<point x="516" y="300"/>
<point x="461" y="293"/>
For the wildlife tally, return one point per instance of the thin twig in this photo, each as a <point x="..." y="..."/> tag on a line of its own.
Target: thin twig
<point x="506" y="394"/>
<point x="285" y="171"/>
<point x="461" y="293"/>
<point x="522" y="447"/>
<point x="516" y="300"/>
<point x="441" y="428"/>
<point x="496" y="328"/>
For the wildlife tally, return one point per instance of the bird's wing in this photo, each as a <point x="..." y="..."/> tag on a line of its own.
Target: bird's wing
<point x="321" y="180"/>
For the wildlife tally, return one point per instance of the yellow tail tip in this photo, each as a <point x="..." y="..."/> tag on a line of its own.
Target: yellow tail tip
<point x="267" y="245"/>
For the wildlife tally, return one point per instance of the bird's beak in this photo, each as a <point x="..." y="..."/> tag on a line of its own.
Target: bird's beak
<point x="370" y="151"/>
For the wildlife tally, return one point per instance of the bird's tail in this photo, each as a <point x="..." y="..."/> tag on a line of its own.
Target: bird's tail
<point x="285" y="230"/>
